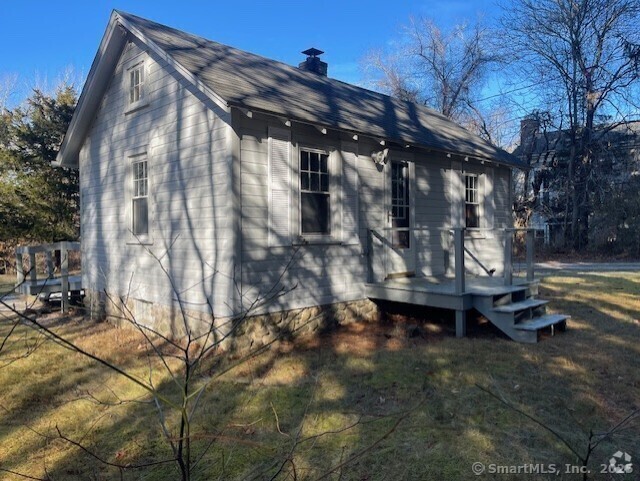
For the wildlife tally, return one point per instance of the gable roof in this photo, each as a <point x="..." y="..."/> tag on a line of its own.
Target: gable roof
<point x="615" y="142"/>
<point x="242" y="79"/>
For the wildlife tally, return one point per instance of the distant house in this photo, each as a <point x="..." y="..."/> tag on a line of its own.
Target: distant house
<point x="615" y="161"/>
<point x="241" y="176"/>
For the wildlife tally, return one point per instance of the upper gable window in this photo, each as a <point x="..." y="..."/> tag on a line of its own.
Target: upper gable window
<point x="135" y="85"/>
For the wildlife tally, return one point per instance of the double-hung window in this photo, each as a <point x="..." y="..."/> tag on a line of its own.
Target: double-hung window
<point x="400" y="221"/>
<point x="471" y="201"/>
<point x="136" y="83"/>
<point x="315" y="197"/>
<point x="140" y="196"/>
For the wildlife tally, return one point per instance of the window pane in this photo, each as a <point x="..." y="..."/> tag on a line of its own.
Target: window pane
<point x="304" y="181"/>
<point x="140" y="216"/>
<point x="315" y="182"/>
<point x="324" y="182"/>
<point x="324" y="167"/>
<point x="304" y="160"/>
<point x="400" y="239"/>
<point x="472" y="215"/>
<point x="315" y="161"/>
<point x="402" y="217"/>
<point x="315" y="213"/>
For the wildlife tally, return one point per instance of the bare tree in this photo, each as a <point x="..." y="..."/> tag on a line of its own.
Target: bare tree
<point x="180" y="370"/>
<point x="7" y="89"/>
<point x="442" y="69"/>
<point x="583" y="57"/>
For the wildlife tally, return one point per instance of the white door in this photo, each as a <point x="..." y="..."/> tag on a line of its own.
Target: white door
<point x="401" y="251"/>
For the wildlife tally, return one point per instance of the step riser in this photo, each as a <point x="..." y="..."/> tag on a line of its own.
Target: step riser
<point x="512" y="316"/>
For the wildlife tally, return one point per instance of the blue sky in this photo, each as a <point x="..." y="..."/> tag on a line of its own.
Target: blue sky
<point x="40" y="40"/>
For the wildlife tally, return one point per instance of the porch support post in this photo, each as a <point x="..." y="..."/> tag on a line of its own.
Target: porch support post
<point x="50" y="268"/>
<point x="461" y="323"/>
<point x="530" y="253"/>
<point x="19" y="267"/>
<point x="64" y="270"/>
<point x="458" y="246"/>
<point x="508" y="261"/>
<point x="33" y="272"/>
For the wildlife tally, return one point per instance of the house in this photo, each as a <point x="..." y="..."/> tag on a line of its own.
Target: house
<point x="611" y="181"/>
<point x="216" y="179"/>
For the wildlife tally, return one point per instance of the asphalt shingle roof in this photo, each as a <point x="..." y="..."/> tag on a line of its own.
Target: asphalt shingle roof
<point x="247" y="80"/>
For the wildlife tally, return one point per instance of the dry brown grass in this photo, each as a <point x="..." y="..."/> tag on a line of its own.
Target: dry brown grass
<point x="586" y="378"/>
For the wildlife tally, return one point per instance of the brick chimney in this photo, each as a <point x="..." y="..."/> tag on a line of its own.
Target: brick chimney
<point x="313" y="62"/>
<point x="529" y="128"/>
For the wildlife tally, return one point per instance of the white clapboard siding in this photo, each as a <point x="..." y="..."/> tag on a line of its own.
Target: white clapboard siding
<point x="187" y="145"/>
<point x="279" y="186"/>
<point x="456" y="194"/>
<point x="350" y="230"/>
<point x="488" y="200"/>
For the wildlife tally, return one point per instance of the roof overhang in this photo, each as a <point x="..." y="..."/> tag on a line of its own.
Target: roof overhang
<point x="118" y="32"/>
<point x="104" y="63"/>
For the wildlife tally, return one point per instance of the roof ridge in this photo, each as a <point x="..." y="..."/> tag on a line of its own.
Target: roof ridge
<point x="292" y="68"/>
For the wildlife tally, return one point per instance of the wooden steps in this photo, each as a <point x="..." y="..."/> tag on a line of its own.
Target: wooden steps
<point x="514" y="309"/>
<point x="542" y="322"/>
<point x="520" y="306"/>
<point x="519" y="313"/>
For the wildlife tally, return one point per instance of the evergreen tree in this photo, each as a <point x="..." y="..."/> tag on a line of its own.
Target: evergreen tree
<point x="38" y="202"/>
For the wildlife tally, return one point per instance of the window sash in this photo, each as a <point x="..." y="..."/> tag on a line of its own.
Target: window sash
<point x="140" y="224"/>
<point x="315" y="195"/>
<point x="400" y="194"/>
<point x="472" y="201"/>
<point x="136" y="83"/>
<point x="140" y="195"/>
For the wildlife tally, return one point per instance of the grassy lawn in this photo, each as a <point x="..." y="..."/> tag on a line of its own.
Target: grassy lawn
<point x="397" y="408"/>
<point x="7" y="283"/>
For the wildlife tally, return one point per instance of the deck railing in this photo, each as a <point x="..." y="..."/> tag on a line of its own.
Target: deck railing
<point x="33" y="283"/>
<point x="378" y="242"/>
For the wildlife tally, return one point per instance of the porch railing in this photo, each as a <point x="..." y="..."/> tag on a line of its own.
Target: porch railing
<point x="35" y="284"/>
<point x="378" y="241"/>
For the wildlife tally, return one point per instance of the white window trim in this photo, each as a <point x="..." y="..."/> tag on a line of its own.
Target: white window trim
<point x="137" y="61"/>
<point x="486" y="194"/>
<point x="132" y="156"/>
<point x="479" y="200"/>
<point x="335" y="234"/>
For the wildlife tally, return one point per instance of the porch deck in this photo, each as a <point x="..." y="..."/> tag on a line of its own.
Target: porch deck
<point x="514" y="308"/>
<point x="65" y="285"/>
<point x="507" y="301"/>
<point x="442" y="292"/>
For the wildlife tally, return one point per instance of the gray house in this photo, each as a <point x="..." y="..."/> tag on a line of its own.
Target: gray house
<point x="213" y="178"/>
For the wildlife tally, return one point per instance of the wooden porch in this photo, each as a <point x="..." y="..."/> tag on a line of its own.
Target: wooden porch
<point x="61" y="283"/>
<point x="509" y="302"/>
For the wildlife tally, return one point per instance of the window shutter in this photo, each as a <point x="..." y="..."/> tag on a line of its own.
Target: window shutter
<point x="279" y="187"/>
<point x="456" y="194"/>
<point x="349" y="166"/>
<point x="488" y="200"/>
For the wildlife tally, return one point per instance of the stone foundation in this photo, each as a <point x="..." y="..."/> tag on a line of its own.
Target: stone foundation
<point x="249" y="333"/>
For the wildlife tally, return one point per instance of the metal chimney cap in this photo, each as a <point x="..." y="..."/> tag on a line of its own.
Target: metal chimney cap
<point x="312" y="52"/>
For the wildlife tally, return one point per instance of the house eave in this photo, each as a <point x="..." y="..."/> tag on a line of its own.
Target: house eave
<point x="97" y="81"/>
<point x="100" y="74"/>
<point x="513" y="163"/>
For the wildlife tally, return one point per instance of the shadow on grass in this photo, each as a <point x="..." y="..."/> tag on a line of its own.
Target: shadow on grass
<point x="583" y="379"/>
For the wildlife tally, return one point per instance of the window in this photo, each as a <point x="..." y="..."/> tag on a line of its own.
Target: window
<point x="315" y="199"/>
<point x="471" y="201"/>
<point x="135" y="84"/>
<point x="140" y="197"/>
<point x="400" y="204"/>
